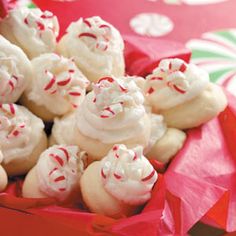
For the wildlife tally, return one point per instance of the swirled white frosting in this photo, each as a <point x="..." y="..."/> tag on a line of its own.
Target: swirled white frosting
<point x="127" y="175"/>
<point x="174" y="82"/>
<point x="15" y="71"/>
<point x="96" y="46"/>
<point x="113" y="111"/>
<point x="20" y="132"/>
<point x="58" y="84"/>
<point x="31" y="29"/>
<point x="59" y="169"/>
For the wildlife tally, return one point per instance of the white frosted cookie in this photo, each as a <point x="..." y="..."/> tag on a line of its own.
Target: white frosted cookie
<point x="3" y="175"/>
<point x="15" y="71"/>
<point x="165" y="148"/>
<point x="118" y="184"/>
<point x="22" y="138"/>
<point x="56" y="174"/>
<point x="58" y="87"/>
<point x="178" y="91"/>
<point x="96" y="46"/>
<point x="197" y="111"/>
<point x="33" y="30"/>
<point x="112" y="113"/>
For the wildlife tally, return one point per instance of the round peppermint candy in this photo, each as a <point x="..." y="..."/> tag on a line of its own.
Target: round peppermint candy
<point x="151" y="24"/>
<point x="216" y="53"/>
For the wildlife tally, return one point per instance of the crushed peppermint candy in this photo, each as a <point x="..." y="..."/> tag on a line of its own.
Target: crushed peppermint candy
<point x="42" y="22"/>
<point x="113" y="95"/>
<point x="171" y="74"/>
<point x="130" y="172"/>
<point x="59" y="79"/>
<point x="8" y="121"/>
<point x="59" y="168"/>
<point x="96" y="33"/>
<point x="9" y="74"/>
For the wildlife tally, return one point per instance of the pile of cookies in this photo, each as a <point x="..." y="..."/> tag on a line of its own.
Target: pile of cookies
<point x="106" y="125"/>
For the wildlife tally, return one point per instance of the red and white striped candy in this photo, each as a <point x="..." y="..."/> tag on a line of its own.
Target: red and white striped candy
<point x="60" y="160"/>
<point x="13" y="82"/>
<point x="59" y="179"/>
<point x="30" y="21"/>
<point x="130" y="172"/>
<point x="110" y="80"/>
<point x="172" y="77"/>
<point x="107" y="78"/>
<point x="89" y="35"/>
<point x="47" y="15"/>
<point x="16" y="131"/>
<point x="54" y="83"/>
<point x="51" y="86"/>
<point x="178" y="83"/>
<point x="102" y="93"/>
<point x="111" y="111"/>
<point x="149" y="177"/>
<point x="8" y="82"/>
<point x="102" y="45"/>
<point x="66" y="85"/>
<point x="127" y="156"/>
<point x="9" y="85"/>
<point x="87" y="22"/>
<point x="102" y="38"/>
<point x="9" y="109"/>
<point x="73" y="94"/>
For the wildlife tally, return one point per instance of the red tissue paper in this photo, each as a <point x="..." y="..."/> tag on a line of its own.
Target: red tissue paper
<point x="201" y="180"/>
<point x="142" y="55"/>
<point x="3" y="8"/>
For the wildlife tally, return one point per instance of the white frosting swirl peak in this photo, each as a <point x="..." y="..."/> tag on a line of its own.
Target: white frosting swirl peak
<point x="112" y="96"/>
<point x="96" y="46"/>
<point x="59" y="169"/>
<point x="19" y="132"/>
<point x="174" y="82"/>
<point x="96" y="34"/>
<point x="127" y="175"/>
<point x="15" y="71"/>
<point x="11" y="78"/>
<point x="58" y="84"/>
<point x="113" y="111"/>
<point x="33" y="30"/>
